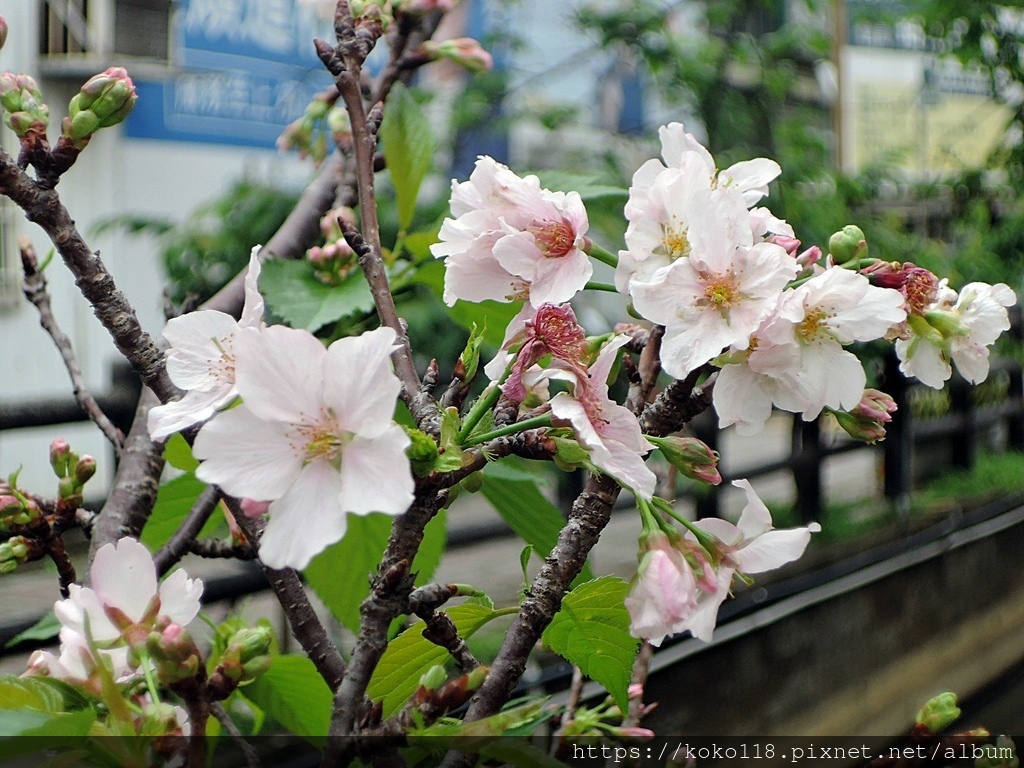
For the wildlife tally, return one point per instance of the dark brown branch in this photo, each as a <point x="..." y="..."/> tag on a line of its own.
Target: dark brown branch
<point x="43" y="207"/>
<point x="178" y="545"/>
<point x="641" y="668"/>
<point x="133" y="493"/>
<point x="226" y="550"/>
<point x="252" y="756"/>
<point x="35" y="291"/>
<point x="677" y="404"/>
<point x="304" y="623"/>
<point x="65" y="568"/>
<point x="440" y="629"/>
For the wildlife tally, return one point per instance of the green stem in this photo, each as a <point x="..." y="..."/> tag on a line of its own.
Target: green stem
<point x="706" y="540"/>
<point x="595" y="286"/>
<point x="520" y="426"/>
<point x="148" y="674"/>
<point x="483" y="404"/>
<point x="854" y="264"/>
<point x="605" y="257"/>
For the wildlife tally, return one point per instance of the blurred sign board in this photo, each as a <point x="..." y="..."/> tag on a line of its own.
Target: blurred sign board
<point x="249" y="69"/>
<point x="906" y="106"/>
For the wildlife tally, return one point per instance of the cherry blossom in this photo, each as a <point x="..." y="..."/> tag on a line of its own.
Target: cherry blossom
<point x="314" y="436"/>
<point x="961" y="332"/>
<point x="510" y="239"/>
<point x="609" y="431"/>
<point x="201" y="359"/>
<point x="712" y="303"/>
<point x="664" y="595"/>
<point x="124" y="601"/>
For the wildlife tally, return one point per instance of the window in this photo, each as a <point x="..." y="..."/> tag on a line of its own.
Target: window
<point x="73" y="28"/>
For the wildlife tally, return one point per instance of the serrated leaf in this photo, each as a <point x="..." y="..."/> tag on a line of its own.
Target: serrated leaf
<point x="410" y="655"/>
<point x="293" y="294"/>
<point x="409" y="145"/>
<point x="44" y="629"/>
<point x="173" y="502"/>
<point x="340" y="575"/>
<point x="178" y="453"/>
<point x="592" y="631"/>
<point x="515" y="496"/>
<point x="470" y="357"/>
<point x="450" y="457"/>
<point x="292" y="693"/>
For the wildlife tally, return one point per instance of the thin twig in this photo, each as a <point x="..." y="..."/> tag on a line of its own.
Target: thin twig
<point x="213" y="548"/>
<point x="112" y="308"/>
<point x="176" y="547"/>
<point x="252" y="756"/>
<point x="304" y="623"/>
<point x="35" y="291"/>
<point x="641" y="668"/>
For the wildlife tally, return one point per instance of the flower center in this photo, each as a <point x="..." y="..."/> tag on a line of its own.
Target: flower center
<point x="812" y="327"/>
<point x="674" y="241"/>
<point x="322" y="441"/>
<point x="554" y="238"/>
<point x="722" y="291"/>
<point x="223" y="368"/>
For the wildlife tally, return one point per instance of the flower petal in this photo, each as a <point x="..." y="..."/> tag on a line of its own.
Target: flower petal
<point x="279" y="373"/>
<point x="375" y="474"/>
<point x="123" y="577"/>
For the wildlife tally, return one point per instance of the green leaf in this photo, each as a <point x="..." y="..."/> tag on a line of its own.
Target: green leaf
<point x="592" y="632"/>
<point x="492" y="316"/>
<point x="340" y="575"/>
<point x="470" y="356"/>
<point x="515" y="496"/>
<point x="173" y="502"/>
<point x="27" y="722"/>
<point x="410" y="655"/>
<point x="589" y="188"/>
<point x="44" y="629"/>
<point x="293" y="693"/>
<point x="293" y="294"/>
<point x="178" y="453"/>
<point x="409" y="145"/>
<point x="450" y="457"/>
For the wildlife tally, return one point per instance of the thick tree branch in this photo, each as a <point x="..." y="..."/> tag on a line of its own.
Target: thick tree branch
<point x="133" y="493"/>
<point x="677" y="404"/>
<point x="43" y="207"/>
<point x="35" y="291"/>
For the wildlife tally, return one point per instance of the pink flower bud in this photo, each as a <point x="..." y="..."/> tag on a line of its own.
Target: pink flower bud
<point x="464" y="51"/>
<point x="60" y="455"/>
<point x="810" y="257"/>
<point x="424" y="6"/>
<point x="690" y="456"/>
<point x="866" y="421"/>
<point x="253" y="508"/>
<point x="85" y="469"/>
<point x="791" y="244"/>
<point x="664" y="593"/>
<point x="635" y="691"/>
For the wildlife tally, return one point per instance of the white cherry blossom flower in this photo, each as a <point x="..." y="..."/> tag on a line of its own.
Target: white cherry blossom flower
<point x="713" y="303"/>
<point x="124" y="601"/>
<point x="510" y="239"/>
<point x="314" y="436"/>
<point x="960" y="332"/>
<point x="201" y="359"/>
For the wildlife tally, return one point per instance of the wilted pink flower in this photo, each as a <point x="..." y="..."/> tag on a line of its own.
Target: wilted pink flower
<point x="552" y="331"/>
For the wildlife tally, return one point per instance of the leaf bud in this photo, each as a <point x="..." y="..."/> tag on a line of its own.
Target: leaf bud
<point x="939" y="713"/>
<point x="848" y="244"/>
<point x="433" y="678"/>
<point x="422" y="451"/>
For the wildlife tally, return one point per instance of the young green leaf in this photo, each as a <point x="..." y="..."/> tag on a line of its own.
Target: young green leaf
<point x="340" y="575"/>
<point x="173" y="502"/>
<point x="293" y="693"/>
<point x="293" y="294"/>
<point x="515" y="496"/>
<point x="178" y="454"/>
<point x="410" y="655"/>
<point x="44" y="629"/>
<point x="409" y="145"/>
<point x="592" y="631"/>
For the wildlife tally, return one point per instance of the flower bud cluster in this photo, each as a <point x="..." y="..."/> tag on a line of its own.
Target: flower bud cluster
<point x="335" y="260"/>
<point x="23" y="102"/>
<point x="16" y="509"/>
<point x="72" y="471"/>
<point x="309" y="134"/>
<point x="14" y="552"/>
<point x="867" y="421"/>
<point x="104" y="101"/>
<point x="246" y="657"/>
<point x="173" y="652"/>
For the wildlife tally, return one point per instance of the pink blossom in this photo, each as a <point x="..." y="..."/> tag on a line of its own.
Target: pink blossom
<point x="664" y="595"/>
<point x="511" y="240"/>
<point x="314" y="436"/>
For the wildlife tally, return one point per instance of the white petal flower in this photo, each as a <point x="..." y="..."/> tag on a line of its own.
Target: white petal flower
<point x="510" y="239"/>
<point x="201" y="359"/>
<point x="314" y="436"/>
<point x="664" y="595"/>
